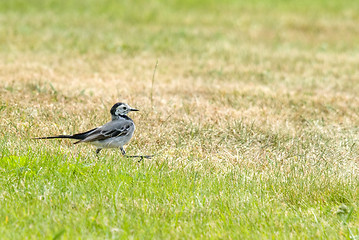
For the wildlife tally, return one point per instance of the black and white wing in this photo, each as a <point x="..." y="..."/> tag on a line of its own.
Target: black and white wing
<point x="109" y="130"/>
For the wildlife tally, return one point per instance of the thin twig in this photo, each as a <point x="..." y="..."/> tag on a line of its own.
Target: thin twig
<point x="169" y="116"/>
<point x="153" y="81"/>
<point x="139" y="156"/>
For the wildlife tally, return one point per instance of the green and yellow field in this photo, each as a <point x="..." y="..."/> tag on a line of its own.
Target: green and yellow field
<point x="253" y="117"/>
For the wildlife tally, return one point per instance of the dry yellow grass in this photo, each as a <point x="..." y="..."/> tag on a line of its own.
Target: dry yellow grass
<point x="283" y="92"/>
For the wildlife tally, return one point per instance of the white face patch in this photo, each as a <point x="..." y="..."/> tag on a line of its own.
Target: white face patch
<point x="118" y="111"/>
<point x="122" y="110"/>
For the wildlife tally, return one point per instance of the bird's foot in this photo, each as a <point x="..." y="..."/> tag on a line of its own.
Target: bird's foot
<point x="140" y="156"/>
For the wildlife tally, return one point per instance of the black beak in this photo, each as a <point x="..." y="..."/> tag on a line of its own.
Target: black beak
<point x="135" y="110"/>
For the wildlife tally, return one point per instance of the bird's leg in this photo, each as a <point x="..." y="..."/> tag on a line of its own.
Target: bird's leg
<point x="98" y="150"/>
<point x="123" y="151"/>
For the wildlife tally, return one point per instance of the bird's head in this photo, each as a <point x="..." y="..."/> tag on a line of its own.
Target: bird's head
<point x="121" y="109"/>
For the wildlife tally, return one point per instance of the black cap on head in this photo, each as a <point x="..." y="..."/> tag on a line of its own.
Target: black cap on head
<point x="113" y="109"/>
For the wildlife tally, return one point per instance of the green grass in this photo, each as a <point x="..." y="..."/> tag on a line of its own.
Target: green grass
<point x="252" y="117"/>
<point x="45" y="194"/>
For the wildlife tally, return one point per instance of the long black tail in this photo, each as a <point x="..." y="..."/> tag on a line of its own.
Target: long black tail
<point x="79" y="136"/>
<point x="61" y="136"/>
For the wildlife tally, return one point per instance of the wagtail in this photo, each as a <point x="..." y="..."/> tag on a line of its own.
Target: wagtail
<point x="114" y="134"/>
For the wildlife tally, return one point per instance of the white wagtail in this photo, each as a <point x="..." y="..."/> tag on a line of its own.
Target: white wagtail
<point x="114" y="134"/>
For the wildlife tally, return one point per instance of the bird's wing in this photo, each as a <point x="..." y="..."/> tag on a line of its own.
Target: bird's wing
<point x="109" y="130"/>
<point x="83" y="135"/>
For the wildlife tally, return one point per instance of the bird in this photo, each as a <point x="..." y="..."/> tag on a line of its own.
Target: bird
<point x="114" y="134"/>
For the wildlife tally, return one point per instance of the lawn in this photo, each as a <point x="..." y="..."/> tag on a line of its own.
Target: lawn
<point x="252" y="113"/>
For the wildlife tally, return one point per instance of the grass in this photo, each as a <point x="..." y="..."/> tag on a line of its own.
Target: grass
<point x="252" y="115"/>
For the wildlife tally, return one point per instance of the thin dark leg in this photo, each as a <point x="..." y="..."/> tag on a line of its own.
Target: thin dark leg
<point x="123" y="151"/>
<point x="98" y="150"/>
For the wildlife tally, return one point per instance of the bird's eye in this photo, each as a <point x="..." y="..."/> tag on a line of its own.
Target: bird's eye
<point x="124" y="108"/>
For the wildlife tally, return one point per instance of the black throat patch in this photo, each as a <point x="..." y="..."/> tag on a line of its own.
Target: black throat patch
<point x="125" y="117"/>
